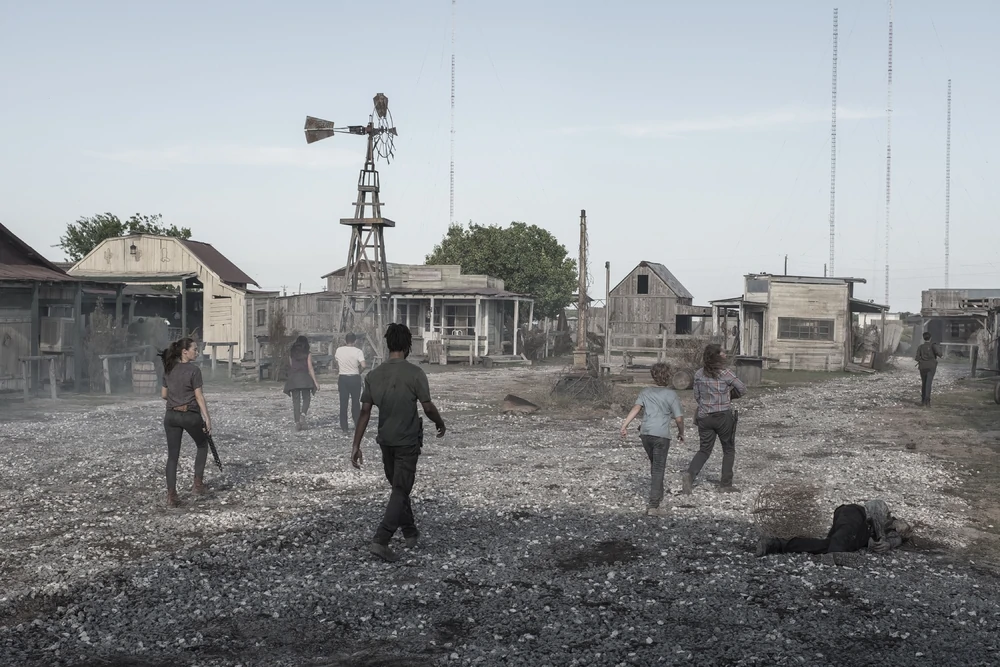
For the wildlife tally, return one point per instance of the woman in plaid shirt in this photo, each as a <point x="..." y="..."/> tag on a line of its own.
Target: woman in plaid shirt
<point x="714" y="387"/>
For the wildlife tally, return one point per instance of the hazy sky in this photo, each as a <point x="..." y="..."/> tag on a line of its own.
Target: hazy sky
<point x="694" y="133"/>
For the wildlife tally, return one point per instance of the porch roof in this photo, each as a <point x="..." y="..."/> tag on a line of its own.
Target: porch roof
<point x="458" y="292"/>
<point x="861" y="306"/>
<point x="736" y="302"/>
<point x="135" y="277"/>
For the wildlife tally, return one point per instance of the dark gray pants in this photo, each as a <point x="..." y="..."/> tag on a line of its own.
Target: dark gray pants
<point x="349" y="387"/>
<point x="849" y="533"/>
<point x="656" y="450"/>
<point x="400" y="464"/>
<point x="175" y="424"/>
<point x="926" y="379"/>
<point x="301" y="399"/>
<point x="723" y="425"/>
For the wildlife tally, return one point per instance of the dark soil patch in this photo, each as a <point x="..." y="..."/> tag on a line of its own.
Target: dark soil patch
<point x="605" y="553"/>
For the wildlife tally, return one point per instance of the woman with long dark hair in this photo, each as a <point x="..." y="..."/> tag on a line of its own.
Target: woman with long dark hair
<point x="186" y="411"/>
<point x="301" y="383"/>
<point x="714" y="387"/>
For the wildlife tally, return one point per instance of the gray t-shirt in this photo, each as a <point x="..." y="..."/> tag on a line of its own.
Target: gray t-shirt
<point x="395" y="387"/>
<point x="181" y="383"/>
<point x="661" y="406"/>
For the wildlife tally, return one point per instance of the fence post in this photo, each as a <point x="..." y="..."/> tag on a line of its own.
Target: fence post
<point x="793" y="361"/>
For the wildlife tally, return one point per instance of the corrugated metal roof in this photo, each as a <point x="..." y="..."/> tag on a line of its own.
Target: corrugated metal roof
<point x="462" y="291"/>
<point x="218" y="263"/>
<point x="663" y="273"/>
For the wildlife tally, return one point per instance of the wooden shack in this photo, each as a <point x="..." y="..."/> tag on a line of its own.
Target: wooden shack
<point x="207" y="292"/>
<point x="793" y="322"/>
<point x="649" y="302"/>
<point x="43" y="315"/>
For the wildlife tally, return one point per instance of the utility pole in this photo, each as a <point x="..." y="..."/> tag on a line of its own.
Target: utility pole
<point x="607" y="312"/>
<point x="947" y="198"/>
<point x="580" y="355"/>
<point x="786" y="265"/>
<point x="888" y="158"/>
<point x="833" y="147"/>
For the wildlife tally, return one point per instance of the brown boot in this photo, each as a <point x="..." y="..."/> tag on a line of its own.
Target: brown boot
<point x="172" y="499"/>
<point x="199" y="488"/>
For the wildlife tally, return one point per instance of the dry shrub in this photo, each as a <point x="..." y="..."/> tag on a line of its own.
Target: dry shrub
<point x="789" y="508"/>
<point x="103" y="337"/>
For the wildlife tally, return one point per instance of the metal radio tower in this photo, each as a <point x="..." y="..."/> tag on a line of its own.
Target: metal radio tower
<point x="888" y="159"/>
<point x="947" y="197"/>
<point x="451" y="209"/>
<point x="833" y="147"/>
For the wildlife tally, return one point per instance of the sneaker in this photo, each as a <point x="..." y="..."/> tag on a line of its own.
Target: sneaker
<point x="686" y="483"/>
<point x="657" y="511"/>
<point x="411" y="542"/>
<point x="384" y="552"/>
<point x="728" y="488"/>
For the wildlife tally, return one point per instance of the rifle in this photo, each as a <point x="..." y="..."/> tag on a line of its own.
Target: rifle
<point x="215" y="452"/>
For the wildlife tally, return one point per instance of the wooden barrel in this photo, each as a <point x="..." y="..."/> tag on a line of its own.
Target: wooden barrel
<point x="682" y="379"/>
<point x="144" y="378"/>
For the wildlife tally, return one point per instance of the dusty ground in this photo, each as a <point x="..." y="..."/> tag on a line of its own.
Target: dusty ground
<point x="534" y="548"/>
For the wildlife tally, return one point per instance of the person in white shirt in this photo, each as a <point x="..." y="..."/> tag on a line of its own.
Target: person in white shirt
<point x="350" y="363"/>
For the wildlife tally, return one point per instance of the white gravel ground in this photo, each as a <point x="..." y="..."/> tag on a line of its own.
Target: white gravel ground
<point x="535" y="549"/>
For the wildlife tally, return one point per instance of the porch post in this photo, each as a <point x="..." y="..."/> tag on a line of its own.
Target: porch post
<point x="517" y="318"/>
<point x="78" y="358"/>
<point x="531" y="314"/>
<point x="432" y="317"/>
<point x="395" y="309"/>
<point x="486" y="329"/>
<point x="184" y="308"/>
<point x="118" y="305"/>
<point x="475" y="333"/>
<point x="36" y="334"/>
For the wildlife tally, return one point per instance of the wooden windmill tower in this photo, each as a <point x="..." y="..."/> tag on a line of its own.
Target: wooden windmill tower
<point x="365" y="296"/>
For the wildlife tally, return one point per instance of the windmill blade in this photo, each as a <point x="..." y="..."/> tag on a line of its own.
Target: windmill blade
<point x="317" y="128"/>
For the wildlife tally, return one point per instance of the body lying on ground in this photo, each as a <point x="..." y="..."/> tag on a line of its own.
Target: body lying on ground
<point x="855" y="527"/>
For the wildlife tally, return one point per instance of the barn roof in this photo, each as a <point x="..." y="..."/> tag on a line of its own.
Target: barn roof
<point x="20" y="262"/>
<point x="218" y="262"/>
<point x="669" y="279"/>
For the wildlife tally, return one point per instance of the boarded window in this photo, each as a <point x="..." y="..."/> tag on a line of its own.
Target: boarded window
<point x="793" y="328"/>
<point x="757" y="286"/>
<point x="261" y="317"/>
<point x="643" y="284"/>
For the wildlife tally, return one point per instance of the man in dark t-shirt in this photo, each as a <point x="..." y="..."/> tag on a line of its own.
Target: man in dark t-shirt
<point x="396" y="387"/>
<point x="926" y="358"/>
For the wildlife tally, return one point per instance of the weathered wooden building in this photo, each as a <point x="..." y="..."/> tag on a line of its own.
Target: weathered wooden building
<point x="437" y="303"/>
<point x="206" y="293"/>
<point x="649" y="302"/>
<point x="962" y="318"/>
<point x="43" y="313"/>
<point x="800" y="322"/>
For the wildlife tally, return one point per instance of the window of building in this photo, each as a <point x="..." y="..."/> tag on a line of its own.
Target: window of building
<point x="460" y="320"/>
<point x="757" y="286"/>
<point x="793" y="328"/>
<point x="409" y="314"/>
<point x="261" y="317"/>
<point x="642" y="286"/>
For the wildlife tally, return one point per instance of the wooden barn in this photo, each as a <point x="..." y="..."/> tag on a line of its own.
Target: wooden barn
<point x="648" y="302"/>
<point x="793" y="322"/>
<point x="205" y="295"/>
<point x="43" y="315"/>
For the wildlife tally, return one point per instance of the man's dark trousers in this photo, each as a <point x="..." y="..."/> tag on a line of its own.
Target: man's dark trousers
<point x="400" y="465"/>
<point x="349" y="387"/>
<point x="849" y="533"/>
<point x="656" y="449"/>
<point x="723" y="425"/>
<point x="926" y="379"/>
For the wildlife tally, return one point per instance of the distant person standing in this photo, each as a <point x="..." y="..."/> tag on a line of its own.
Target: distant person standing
<point x="660" y="406"/>
<point x="714" y="388"/>
<point x="396" y="387"/>
<point x="301" y="383"/>
<point x="926" y="358"/>
<point x="350" y="363"/>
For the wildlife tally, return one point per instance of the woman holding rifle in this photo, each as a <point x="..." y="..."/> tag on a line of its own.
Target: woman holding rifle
<point x="186" y="411"/>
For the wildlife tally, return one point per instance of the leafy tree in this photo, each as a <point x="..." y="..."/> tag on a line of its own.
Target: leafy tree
<point x="86" y="234"/>
<point x="529" y="260"/>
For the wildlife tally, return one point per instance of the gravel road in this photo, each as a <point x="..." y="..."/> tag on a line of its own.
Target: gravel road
<point x="535" y="549"/>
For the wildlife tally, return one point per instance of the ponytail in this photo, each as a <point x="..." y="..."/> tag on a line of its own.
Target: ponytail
<point x="172" y="355"/>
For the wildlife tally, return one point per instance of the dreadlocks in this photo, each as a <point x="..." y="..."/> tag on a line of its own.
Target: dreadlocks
<point x="713" y="362"/>
<point x="398" y="338"/>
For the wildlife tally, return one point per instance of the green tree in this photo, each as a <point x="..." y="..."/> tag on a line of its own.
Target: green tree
<point x="529" y="260"/>
<point x="86" y="234"/>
